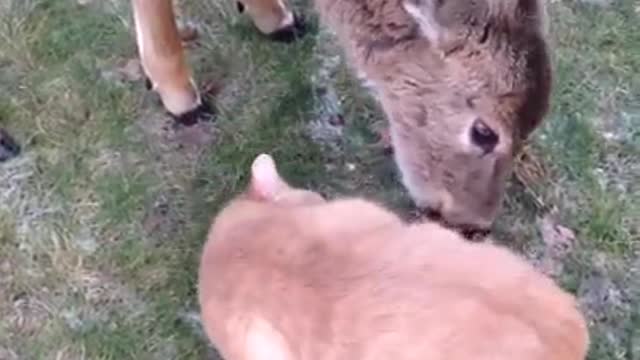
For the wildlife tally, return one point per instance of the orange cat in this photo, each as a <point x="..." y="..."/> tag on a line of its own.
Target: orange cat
<point x="287" y="275"/>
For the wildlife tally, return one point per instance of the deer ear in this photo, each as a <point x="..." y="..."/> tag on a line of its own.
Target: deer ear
<point x="265" y="181"/>
<point x="424" y="13"/>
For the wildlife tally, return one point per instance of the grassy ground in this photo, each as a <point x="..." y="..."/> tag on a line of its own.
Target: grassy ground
<point x="103" y="215"/>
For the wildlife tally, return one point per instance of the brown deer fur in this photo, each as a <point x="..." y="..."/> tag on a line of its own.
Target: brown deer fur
<point x="463" y="83"/>
<point x="437" y="67"/>
<point x="285" y="274"/>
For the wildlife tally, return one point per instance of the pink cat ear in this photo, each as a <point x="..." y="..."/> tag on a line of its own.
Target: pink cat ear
<point x="265" y="180"/>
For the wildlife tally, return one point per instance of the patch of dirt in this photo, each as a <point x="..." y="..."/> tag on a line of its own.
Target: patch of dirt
<point x="557" y="238"/>
<point x="28" y="315"/>
<point x="558" y="241"/>
<point x="191" y="138"/>
<point x="124" y="70"/>
<point x="600" y="297"/>
<point x="609" y="305"/>
<point x="156" y="218"/>
<point x="101" y="296"/>
<point x="608" y="295"/>
<point x="173" y="153"/>
<point x="605" y="284"/>
<point x="161" y="221"/>
<point x="176" y="148"/>
<point x="326" y="128"/>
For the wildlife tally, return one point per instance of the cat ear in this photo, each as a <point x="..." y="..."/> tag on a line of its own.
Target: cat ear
<point x="265" y="180"/>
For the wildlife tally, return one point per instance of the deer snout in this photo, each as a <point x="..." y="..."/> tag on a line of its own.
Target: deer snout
<point x="442" y="206"/>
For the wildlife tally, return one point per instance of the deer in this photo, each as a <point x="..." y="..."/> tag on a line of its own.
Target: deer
<point x="463" y="85"/>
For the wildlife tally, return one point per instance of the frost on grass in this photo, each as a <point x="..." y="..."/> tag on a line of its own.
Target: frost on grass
<point x="24" y="213"/>
<point x="21" y="200"/>
<point x="558" y="242"/>
<point x="45" y="275"/>
<point x="175" y="149"/>
<point x="125" y="70"/>
<point x="608" y="298"/>
<point x="326" y="126"/>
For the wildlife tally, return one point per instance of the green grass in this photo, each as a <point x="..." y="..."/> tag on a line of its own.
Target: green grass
<point x="103" y="216"/>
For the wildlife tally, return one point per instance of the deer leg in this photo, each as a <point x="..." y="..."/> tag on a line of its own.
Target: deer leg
<point x="164" y="62"/>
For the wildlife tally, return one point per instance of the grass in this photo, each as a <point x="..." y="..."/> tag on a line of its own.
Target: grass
<point x="103" y="216"/>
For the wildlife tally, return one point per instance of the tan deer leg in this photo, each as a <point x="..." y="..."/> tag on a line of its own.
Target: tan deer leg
<point x="163" y="59"/>
<point x="273" y="18"/>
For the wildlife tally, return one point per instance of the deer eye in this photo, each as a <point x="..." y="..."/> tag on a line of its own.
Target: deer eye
<point x="483" y="137"/>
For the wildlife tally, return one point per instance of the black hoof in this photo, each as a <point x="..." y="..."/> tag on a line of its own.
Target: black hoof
<point x="240" y="7"/>
<point x="290" y="33"/>
<point x="9" y="148"/>
<point x="204" y="112"/>
<point x="147" y="83"/>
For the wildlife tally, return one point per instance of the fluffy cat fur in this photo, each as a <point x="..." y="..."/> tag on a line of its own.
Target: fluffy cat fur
<point x="285" y="274"/>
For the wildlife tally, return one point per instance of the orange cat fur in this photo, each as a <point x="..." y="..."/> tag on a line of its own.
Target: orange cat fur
<point x="287" y="275"/>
